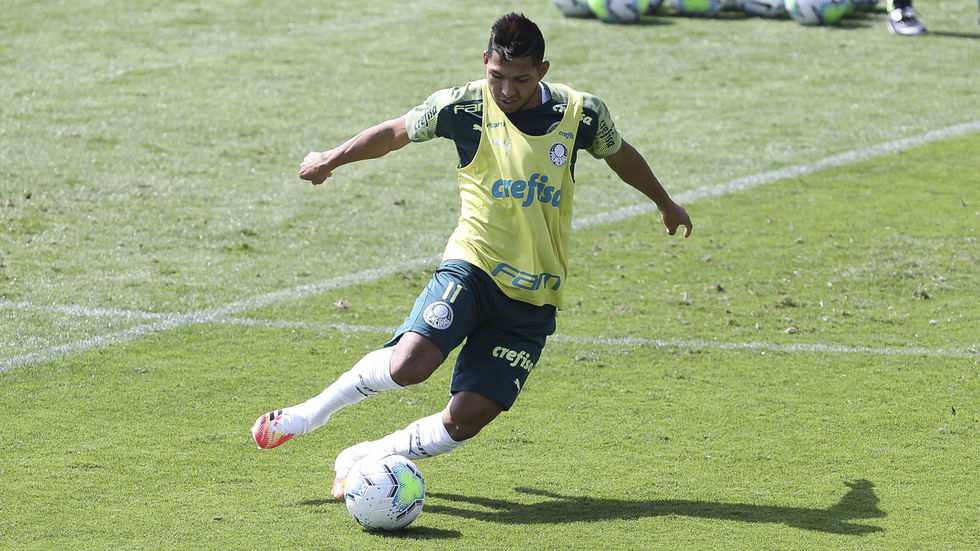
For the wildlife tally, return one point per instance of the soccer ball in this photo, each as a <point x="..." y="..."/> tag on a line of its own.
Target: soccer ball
<point x="384" y="492"/>
<point x="619" y="11"/>
<point x="818" y="12"/>
<point x="698" y="8"/>
<point x="762" y="8"/>
<point x="573" y="8"/>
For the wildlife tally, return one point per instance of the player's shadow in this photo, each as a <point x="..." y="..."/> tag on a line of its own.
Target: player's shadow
<point x="860" y="502"/>
<point x="968" y="36"/>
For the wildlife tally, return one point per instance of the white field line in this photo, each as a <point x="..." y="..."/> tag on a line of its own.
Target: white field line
<point x="620" y="342"/>
<point x="636" y="342"/>
<point x="173" y="321"/>
<point x="749" y="182"/>
<point x="310" y="325"/>
<point x="82" y="311"/>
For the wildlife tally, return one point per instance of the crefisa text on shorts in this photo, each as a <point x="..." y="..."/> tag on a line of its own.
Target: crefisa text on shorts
<point x="515" y="357"/>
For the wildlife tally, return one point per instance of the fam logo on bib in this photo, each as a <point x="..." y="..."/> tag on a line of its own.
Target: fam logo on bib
<point x="438" y="315"/>
<point x="559" y="154"/>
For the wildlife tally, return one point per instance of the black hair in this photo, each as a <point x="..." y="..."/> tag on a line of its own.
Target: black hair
<point x="514" y="36"/>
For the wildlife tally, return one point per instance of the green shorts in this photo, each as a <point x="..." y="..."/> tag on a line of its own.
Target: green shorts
<point x="504" y="337"/>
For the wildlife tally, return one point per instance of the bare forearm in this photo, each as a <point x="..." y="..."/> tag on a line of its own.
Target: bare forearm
<point x="633" y="169"/>
<point x="371" y="143"/>
<point x="374" y="142"/>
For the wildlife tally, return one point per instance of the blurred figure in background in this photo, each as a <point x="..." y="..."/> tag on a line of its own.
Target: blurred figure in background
<point x="902" y="18"/>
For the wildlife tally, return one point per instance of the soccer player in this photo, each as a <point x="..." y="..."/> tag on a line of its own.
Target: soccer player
<point x="504" y="268"/>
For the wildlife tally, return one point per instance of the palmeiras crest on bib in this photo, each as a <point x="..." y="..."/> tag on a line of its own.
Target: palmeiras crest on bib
<point x="439" y="315"/>
<point x="559" y="154"/>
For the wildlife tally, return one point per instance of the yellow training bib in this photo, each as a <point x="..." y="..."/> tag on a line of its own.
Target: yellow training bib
<point x="516" y="213"/>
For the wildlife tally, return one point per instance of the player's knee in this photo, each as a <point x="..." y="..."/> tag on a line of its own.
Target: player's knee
<point x="406" y="374"/>
<point x="460" y="431"/>
<point x="467" y="414"/>
<point x="407" y="370"/>
<point x="414" y="360"/>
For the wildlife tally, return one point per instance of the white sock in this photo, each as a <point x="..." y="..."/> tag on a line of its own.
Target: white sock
<point x="369" y="376"/>
<point x="426" y="437"/>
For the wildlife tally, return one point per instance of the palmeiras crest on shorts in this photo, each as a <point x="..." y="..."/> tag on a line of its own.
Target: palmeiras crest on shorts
<point x="559" y="154"/>
<point x="438" y="315"/>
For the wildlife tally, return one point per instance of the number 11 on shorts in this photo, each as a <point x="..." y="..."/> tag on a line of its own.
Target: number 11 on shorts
<point x="452" y="291"/>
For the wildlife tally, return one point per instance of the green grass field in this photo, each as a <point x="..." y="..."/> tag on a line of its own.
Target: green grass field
<point x="802" y="373"/>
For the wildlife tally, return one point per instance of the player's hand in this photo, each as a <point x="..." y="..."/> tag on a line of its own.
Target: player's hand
<point x="315" y="168"/>
<point x="674" y="216"/>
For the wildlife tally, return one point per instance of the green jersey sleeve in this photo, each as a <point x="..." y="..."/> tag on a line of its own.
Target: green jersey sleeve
<point x="598" y="134"/>
<point x="607" y="139"/>
<point x="423" y="122"/>
<point x="455" y="113"/>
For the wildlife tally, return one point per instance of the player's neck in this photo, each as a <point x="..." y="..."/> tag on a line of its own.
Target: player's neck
<point x="538" y="99"/>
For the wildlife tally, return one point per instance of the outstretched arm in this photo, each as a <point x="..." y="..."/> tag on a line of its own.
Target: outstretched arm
<point x="633" y="169"/>
<point x="371" y="143"/>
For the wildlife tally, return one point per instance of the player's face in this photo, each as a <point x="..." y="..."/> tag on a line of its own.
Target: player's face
<point x="514" y="83"/>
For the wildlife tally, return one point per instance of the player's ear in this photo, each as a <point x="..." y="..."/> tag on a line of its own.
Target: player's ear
<point x="486" y="57"/>
<point x="543" y="69"/>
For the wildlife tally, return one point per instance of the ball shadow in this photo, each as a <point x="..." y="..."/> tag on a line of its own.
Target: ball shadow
<point x="412" y="532"/>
